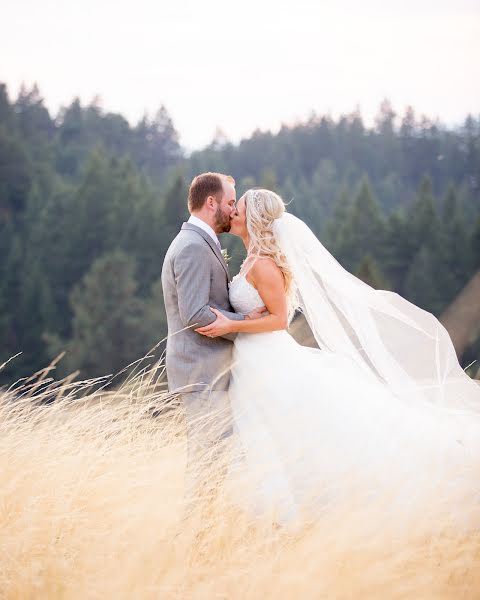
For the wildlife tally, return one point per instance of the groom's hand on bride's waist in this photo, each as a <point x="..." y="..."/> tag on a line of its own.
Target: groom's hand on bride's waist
<point x="223" y="325"/>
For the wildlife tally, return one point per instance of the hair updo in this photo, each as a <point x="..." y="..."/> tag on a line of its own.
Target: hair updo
<point x="262" y="208"/>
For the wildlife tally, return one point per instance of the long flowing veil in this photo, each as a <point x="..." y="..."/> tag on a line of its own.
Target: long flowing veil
<point x="404" y="346"/>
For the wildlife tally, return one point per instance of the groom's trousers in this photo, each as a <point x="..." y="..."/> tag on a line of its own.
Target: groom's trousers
<point x="208" y="426"/>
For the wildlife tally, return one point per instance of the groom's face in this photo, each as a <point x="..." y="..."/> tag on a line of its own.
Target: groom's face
<point x="225" y="208"/>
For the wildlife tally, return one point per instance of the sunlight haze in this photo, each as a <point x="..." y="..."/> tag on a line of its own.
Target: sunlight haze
<point x="246" y="65"/>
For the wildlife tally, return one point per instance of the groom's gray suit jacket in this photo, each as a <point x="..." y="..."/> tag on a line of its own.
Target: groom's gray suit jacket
<point x="194" y="278"/>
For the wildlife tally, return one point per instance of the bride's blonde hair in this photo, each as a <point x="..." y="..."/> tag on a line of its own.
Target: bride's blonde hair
<point x="262" y="208"/>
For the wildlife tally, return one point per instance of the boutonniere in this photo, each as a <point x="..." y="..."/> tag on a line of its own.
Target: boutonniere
<point x="225" y="255"/>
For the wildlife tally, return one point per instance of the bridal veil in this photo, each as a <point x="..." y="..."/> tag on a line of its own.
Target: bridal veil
<point x="404" y="346"/>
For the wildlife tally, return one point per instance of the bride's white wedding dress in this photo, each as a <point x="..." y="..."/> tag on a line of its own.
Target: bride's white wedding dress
<point x="313" y="427"/>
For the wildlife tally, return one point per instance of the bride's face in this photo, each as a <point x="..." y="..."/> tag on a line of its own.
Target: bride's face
<point x="238" y="223"/>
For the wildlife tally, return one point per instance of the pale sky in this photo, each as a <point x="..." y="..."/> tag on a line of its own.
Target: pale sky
<point x="246" y="64"/>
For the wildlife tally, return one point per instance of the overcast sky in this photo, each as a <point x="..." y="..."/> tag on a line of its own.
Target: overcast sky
<point x="248" y="64"/>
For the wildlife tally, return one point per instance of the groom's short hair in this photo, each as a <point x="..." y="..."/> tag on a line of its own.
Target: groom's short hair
<point x="205" y="185"/>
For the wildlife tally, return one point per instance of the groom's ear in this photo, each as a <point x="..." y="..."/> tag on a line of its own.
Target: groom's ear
<point x="211" y="203"/>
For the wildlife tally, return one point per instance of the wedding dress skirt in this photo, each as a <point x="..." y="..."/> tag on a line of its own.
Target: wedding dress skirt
<point x="314" y="429"/>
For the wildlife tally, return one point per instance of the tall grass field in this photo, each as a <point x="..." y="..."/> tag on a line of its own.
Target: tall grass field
<point x="91" y="507"/>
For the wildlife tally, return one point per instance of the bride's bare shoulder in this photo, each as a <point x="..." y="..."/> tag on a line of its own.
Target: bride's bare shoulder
<point x="265" y="268"/>
<point x="263" y="262"/>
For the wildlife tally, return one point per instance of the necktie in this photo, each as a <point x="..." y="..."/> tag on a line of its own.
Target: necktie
<point x="219" y="246"/>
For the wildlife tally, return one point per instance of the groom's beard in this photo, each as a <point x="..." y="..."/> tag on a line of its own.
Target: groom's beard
<point x="222" y="221"/>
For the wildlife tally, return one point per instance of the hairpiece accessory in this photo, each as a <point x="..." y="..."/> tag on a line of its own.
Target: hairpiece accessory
<point x="256" y="198"/>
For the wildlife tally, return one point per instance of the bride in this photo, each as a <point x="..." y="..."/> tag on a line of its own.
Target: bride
<point x="382" y="407"/>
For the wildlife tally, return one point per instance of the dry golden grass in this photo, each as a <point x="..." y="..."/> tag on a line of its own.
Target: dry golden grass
<point x="91" y="507"/>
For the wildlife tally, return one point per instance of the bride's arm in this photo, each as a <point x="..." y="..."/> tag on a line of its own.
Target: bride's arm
<point x="268" y="279"/>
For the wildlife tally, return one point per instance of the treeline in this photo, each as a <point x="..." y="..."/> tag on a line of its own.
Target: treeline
<point x="314" y="162"/>
<point x="89" y="204"/>
<point x="83" y="231"/>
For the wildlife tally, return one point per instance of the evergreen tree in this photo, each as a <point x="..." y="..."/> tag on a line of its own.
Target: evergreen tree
<point x="87" y="223"/>
<point x="72" y="137"/>
<point x="7" y="116"/>
<point x="397" y="250"/>
<point x="369" y="272"/>
<point x="26" y="292"/>
<point x="156" y="145"/>
<point x="385" y="119"/>
<point x="109" y="329"/>
<point x="427" y="250"/>
<point x="424" y="223"/>
<point x="322" y="193"/>
<point x="268" y="180"/>
<point x="472" y="134"/>
<point x="15" y="177"/>
<point x="9" y="294"/>
<point x="387" y="139"/>
<point x="175" y="210"/>
<point x="421" y="284"/>
<point x="456" y="268"/>
<point x="335" y="229"/>
<point x="34" y="122"/>
<point x="364" y="230"/>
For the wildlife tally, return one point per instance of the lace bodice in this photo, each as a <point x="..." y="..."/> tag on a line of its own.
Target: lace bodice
<point x="243" y="296"/>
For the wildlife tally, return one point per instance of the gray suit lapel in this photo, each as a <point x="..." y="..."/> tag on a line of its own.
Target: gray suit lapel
<point x="211" y="243"/>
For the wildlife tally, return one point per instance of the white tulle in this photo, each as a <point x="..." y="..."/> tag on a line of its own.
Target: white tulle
<point x="315" y="426"/>
<point x="404" y="346"/>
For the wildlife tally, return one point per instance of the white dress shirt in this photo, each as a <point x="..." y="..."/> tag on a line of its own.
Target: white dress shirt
<point x="206" y="227"/>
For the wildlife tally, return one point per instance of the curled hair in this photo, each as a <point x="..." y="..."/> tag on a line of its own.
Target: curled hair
<point x="262" y="208"/>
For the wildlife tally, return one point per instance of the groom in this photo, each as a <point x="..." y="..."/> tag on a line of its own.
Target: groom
<point x="195" y="278"/>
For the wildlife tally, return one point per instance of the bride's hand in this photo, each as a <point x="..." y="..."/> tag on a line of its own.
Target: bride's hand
<point x="220" y="326"/>
<point x="257" y="313"/>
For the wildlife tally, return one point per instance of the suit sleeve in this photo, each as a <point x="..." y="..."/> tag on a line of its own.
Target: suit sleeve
<point x="192" y="277"/>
